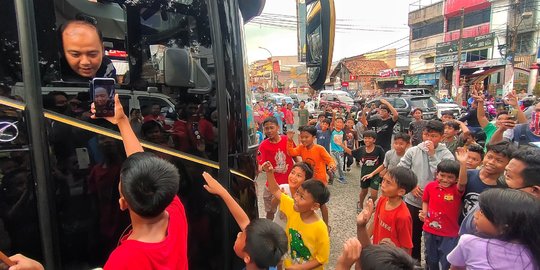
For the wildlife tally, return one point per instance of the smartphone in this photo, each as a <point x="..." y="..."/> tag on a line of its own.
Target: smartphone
<point x="512" y="115"/>
<point x="103" y="96"/>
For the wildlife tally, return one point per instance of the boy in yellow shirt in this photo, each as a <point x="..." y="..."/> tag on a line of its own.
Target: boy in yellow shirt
<point x="307" y="234"/>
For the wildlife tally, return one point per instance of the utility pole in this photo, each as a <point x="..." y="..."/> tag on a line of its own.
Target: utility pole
<point x="271" y="66"/>
<point x="456" y="92"/>
<point x="510" y="52"/>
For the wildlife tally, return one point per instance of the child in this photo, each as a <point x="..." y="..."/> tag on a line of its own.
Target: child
<point x="300" y="172"/>
<point x="260" y="136"/>
<point x="289" y="117"/>
<point x="392" y="222"/>
<point x="324" y="134"/>
<point x="416" y="126"/>
<point x="157" y="216"/>
<point x="441" y="204"/>
<point x="423" y="159"/>
<point x="336" y="147"/>
<point x="308" y="239"/>
<point x="261" y="243"/>
<point x="373" y="257"/>
<point x="274" y="149"/>
<point x="279" y="115"/>
<point x="494" y="162"/>
<point x="371" y="156"/>
<point x="451" y="137"/>
<point x="402" y="141"/>
<point x="475" y="156"/>
<point x="509" y="219"/>
<point x="351" y="139"/>
<point x="447" y="116"/>
<point x="303" y="114"/>
<point x="320" y="119"/>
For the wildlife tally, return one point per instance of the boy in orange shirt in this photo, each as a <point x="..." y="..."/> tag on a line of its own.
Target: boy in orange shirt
<point x="313" y="154"/>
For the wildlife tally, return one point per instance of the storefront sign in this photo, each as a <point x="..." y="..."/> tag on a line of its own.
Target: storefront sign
<point x="484" y="63"/>
<point x="450" y="58"/>
<point x="421" y="79"/>
<point x="388" y="73"/>
<point x="467" y="44"/>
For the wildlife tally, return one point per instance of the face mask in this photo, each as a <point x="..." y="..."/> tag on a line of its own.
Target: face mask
<point x="534" y="125"/>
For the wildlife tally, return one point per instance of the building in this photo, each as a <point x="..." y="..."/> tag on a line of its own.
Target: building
<point x="279" y="74"/>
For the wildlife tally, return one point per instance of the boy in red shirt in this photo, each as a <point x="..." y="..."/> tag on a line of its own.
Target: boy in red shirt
<point x="148" y="187"/>
<point x="441" y="206"/>
<point x="392" y="222"/>
<point x="274" y="149"/>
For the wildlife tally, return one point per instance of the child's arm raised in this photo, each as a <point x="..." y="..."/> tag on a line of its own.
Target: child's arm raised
<point x="362" y="220"/>
<point x="291" y="150"/>
<point x="350" y="254"/>
<point x="461" y="156"/>
<point x="131" y="142"/>
<point x="273" y="186"/>
<point x="214" y="187"/>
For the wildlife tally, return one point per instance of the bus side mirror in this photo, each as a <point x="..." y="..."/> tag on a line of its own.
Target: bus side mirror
<point x="319" y="36"/>
<point x="181" y="70"/>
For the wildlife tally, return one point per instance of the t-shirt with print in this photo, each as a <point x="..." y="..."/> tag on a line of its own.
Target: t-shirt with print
<point x="444" y="205"/>
<point x="336" y="136"/>
<point x="306" y="241"/>
<point x="277" y="154"/>
<point x="384" y="129"/>
<point x="370" y="161"/>
<point x="416" y="128"/>
<point x="171" y="253"/>
<point x="395" y="224"/>
<point x="323" y="139"/>
<point x="316" y="156"/>
<point x="391" y="159"/>
<point x="453" y="145"/>
<point x="474" y="252"/>
<point x="474" y="187"/>
<point x="303" y="116"/>
<point x="280" y="218"/>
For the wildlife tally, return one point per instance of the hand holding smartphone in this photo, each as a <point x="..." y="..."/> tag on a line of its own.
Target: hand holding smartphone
<point x="512" y="115"/>
<point x="103" y="95"/>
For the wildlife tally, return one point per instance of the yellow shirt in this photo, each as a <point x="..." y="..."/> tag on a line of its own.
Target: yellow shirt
<point x="306" y="241"/>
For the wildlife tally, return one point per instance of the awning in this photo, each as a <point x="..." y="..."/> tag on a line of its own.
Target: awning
<point x="389" y="79"/>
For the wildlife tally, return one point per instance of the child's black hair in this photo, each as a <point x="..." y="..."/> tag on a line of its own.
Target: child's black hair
<point x="148" y="183"/>
<point x="370" y="134"/>
<point x="453" y="124"/>
<point x="404" y="177"/>
<point x="321" y="115"/>
<point x="449" y="166"/>
<point x="318" y="191"/>
<point x="270" y="119"/>
<point x="266" y="242"/>
<point x="403" y="136"/>
<point x="448" y="113"/>
<point x="415" y="110"/>
<point x="477" y="149"/>
<point x="504" y="148"/>
<point x="340" y="118"/>
<point x="309" y="129"/>
<point x="387" y="257"/>
<point x="531" y="157"/>
<point x="434" y="126"/>
<point x="516" y="215"/>
<point x="150" y="125"/>
<point x="384" y="107"/>
<point x="308" y="170"/>
<point x="328" y="121"/>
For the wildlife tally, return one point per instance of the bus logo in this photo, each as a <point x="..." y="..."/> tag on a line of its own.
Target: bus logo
<point x="8" y="131"/>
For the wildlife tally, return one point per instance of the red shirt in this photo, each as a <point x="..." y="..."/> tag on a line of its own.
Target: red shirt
<point x="277" y="154"/>
<point x="444" y="206"/>
<point x="171" y="253"/>
<point x="395" y="224"/>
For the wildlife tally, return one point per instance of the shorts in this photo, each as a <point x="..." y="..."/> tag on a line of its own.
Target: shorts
<point x="373" y="183"/>
<point x="267" y="198"/>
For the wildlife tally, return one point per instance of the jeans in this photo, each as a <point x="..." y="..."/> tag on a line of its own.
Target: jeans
<point x="437" y="248"/>
<point x="416" y="232"/>
<point x="338" y="157"/>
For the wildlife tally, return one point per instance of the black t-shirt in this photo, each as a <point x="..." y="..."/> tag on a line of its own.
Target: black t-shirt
<point x="370" y="161"/>
<point x="106" y="70"/>
<point x="384" y="129"/>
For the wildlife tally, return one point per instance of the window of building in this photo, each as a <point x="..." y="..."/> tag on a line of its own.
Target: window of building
<point x="477" y="55"/>
<point x="524" y="43"/>
<point x="427" y="30"/>
<point x="471" y="19"/>
<point x="429" y="60"/>
<point x="527" y="5"/>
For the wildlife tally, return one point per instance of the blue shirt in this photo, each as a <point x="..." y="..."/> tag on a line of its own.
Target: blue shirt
<point x="333" y="146"/>
<point x="323" y="139"/>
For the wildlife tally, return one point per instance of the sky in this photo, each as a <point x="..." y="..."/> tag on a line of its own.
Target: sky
<point x="388" y="15"/>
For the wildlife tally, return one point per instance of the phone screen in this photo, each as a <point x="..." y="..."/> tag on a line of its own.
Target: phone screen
<point x="103" y="96"/>
<point x="512" y="115"/>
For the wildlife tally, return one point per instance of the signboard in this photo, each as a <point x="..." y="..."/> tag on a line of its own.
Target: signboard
<point x="467" y="44"/>
<point x="421" y="79"/>
<point x="388" y="73"/>
<point x="484" y="63"/>
<point x="301" y="13"/>
<point x="345" y="84"/>
<point x="353" y="78"/>
<point x="449" y="59"/>
<point x="411" y="80"/>
<point x="275" y="66"/>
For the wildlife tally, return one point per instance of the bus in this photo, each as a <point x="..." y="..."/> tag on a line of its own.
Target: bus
<point x="183" y="61"/>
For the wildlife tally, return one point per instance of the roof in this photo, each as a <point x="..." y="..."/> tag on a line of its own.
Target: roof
<point x="361" y="67"/>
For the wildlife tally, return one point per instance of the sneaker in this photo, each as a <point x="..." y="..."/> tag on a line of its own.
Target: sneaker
<point x="342" y="181"/>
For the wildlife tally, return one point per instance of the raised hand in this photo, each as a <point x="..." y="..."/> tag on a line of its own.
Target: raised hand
<point x="267" y="167"/>
<point x="290" y="135"/>
<point x="462" y="154"/>
<point x="212" y="185"/>
<point x="350" y="254"/>
<point x="363" y="217"/>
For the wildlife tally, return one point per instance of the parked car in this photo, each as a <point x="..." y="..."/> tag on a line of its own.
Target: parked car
<point x="416" y="91"/>
<point x="324" y="93"/>
<point x="405" y="105"/>
<point x="339" y="102"/>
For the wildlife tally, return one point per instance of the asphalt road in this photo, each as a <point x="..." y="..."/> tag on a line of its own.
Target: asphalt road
<point x="341" y="208"/>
